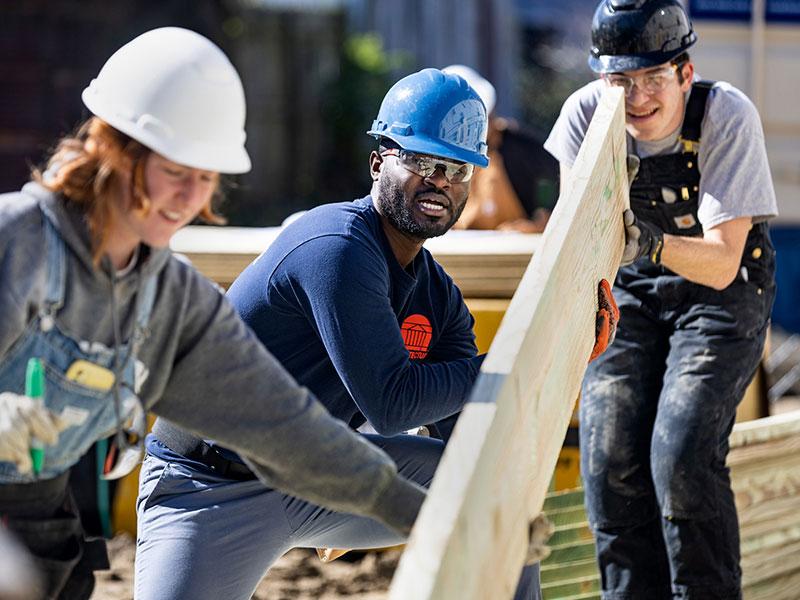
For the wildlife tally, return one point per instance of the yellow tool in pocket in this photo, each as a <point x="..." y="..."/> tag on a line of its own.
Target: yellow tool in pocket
<point x="90" y="375"/>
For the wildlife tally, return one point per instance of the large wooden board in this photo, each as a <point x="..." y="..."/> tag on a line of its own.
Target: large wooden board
<point x="471" y="536"/>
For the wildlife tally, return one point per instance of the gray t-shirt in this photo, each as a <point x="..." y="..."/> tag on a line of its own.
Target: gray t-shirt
<point x="735" y="179"/>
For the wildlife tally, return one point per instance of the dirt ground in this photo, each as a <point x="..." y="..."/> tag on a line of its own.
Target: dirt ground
<point x="297" y="576"/>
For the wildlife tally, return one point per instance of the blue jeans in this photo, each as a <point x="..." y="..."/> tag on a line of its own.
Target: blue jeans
<point x="656" y="412"/>
<point x="203" y="536"/>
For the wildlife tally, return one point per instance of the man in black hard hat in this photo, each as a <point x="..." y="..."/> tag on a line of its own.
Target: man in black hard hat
<point x="695" y="296"/>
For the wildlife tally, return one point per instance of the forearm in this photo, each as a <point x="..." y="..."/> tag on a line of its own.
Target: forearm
<point x="419" y="395"/>
<point x="703" y="261"/>
<point x="713" y="259"/>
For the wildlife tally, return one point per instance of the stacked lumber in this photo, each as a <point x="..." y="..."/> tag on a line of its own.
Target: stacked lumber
<point x="765" y="477"/>
<point x="484" y="264"/>
<point x="570" y="572"/>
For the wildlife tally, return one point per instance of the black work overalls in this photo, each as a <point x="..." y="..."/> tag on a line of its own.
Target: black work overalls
<point x="657" y="408"/>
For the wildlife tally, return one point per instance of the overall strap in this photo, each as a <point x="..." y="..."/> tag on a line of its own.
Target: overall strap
<point x="693" y="116"/>
<point x="55" y="253"/>
<point x="144" y="307"/>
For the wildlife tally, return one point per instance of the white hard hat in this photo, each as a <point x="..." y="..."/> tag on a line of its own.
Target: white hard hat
<point x="485" y="89"/>
<point x="174" y="91"/>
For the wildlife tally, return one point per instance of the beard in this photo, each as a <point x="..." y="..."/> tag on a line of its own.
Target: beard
<point x="393" y="206"/>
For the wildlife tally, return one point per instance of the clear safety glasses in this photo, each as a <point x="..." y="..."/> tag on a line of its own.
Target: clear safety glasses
<point x="425" y="165"/>
<point x="648" y="83"/>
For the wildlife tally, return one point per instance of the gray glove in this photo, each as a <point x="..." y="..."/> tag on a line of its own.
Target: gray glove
<point x="641" y="239"/>
<point x="21" y="419"/>
<point x="540" y="531"/>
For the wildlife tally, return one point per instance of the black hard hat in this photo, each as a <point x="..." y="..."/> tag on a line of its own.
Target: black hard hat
<point x="636" y="34"/>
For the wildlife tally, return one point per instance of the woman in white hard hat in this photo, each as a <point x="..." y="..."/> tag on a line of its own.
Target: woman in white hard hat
<point x="101" y="322"/>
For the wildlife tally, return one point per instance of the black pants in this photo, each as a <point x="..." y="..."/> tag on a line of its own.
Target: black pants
<point x="656" y="412"/>
<point x="43" y="516"/>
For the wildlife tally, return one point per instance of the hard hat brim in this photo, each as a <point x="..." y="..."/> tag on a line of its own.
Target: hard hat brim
<point x="610" y="63"/>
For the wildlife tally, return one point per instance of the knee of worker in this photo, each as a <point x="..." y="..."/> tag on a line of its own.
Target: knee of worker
<point x="612" y="440"/>
<point x="686" y="487"/>
<point x="615" y="503"/>
<point x="416" y="456"/>
<point x="614" y="457"/>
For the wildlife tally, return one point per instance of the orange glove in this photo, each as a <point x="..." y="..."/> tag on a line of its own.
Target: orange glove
<point x="606" y="320"/>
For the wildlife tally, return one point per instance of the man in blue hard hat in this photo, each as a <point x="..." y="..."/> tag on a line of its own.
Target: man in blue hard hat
<point x="354" y="307"/>
<point x="695" y="298"/>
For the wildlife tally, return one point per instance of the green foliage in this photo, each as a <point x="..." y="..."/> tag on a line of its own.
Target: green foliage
<point x="366" y="72"/>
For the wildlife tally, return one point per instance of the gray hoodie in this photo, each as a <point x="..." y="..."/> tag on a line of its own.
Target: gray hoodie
<point x="208" y="373"/>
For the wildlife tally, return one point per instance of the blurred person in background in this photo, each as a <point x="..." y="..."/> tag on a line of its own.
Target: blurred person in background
<point x="519" y="187"/>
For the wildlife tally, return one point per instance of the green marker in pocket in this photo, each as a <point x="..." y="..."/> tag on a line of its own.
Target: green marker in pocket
<point x="34" y="388"/>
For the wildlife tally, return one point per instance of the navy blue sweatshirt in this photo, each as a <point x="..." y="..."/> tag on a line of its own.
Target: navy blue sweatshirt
<point x="370" y="339"/>
<point x="331" y="302"/>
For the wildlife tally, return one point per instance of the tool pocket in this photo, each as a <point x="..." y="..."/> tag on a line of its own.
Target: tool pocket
<point x="56" y="543"/>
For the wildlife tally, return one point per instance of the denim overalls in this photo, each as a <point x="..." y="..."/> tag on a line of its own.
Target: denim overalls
<point x="38" y="509"/>
<point x="657" y="408"/>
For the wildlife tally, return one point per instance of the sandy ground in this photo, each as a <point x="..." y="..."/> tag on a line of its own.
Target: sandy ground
<point x="297" y="576"/>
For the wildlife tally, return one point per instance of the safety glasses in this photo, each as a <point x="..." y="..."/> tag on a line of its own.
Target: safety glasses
<point x="648" y="83"/>
<point x="425" y="165"/>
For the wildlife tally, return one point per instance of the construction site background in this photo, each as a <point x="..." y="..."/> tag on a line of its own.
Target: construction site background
<point x="316" y="70"/>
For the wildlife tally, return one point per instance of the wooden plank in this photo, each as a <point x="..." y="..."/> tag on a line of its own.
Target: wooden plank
<point x="773" y="481"/>
<point x="765" y="516"/>
<point x="552" y="572"/>
<point x="769" y="564"/>
<point x="572" y="534"/>
<point x="765" y="430"/>
<point x="572" y="587"/>
<point x="470" y="539"/>
<point x="565" y="499"/>
<point x="484" y="264"/>
<point x="773" y="539"/>
<point x="571" y="552"/>
<point x="586" y="596"/>
<point x="782" y="587"/>
<point x="566" y="516"/>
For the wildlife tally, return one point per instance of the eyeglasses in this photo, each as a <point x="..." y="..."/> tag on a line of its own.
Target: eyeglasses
<point x="648" y="83"/>
<point x="425" y="165"/>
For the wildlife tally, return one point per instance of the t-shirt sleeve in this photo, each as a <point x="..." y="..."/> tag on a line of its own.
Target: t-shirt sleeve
<point x="347" y="301"/>
<point x="735" y="178"/>
<point x="570" y="128"/>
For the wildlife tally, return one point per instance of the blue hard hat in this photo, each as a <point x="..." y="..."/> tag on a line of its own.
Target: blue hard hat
<point x="435" y="113"/>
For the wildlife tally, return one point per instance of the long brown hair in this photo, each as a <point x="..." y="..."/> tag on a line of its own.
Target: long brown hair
<point x="88" y="167"/>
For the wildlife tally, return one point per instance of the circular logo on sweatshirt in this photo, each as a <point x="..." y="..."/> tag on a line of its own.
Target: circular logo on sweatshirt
<point x="417" y="334"/>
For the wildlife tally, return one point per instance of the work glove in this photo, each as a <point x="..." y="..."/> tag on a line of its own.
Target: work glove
<point x="641" y="239"/>
<point x="540" y="531"/>
<point x="606" y="319"/>
<point x="21" y="419"/>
